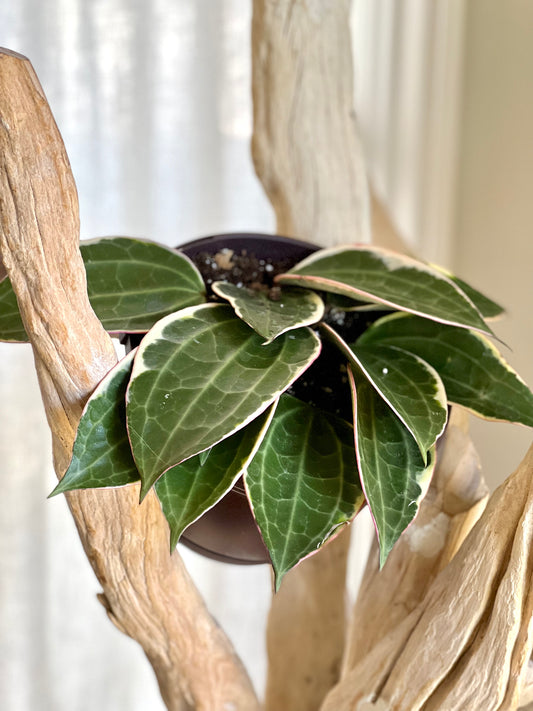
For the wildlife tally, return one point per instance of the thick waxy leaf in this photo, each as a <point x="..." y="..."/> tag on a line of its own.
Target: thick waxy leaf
<point x="132" y="284"/>
<point x="188" y="490"/>
<point x="393" y="473"/>
<point x="486" y="307"/>
<point x="411" y="387"/>
<point x="473" y="372"/>
<point x="11" y="327"/>
<point x="345" y="303"/>
<point x="201" y="375"/>
<point x="102" y="454"/>
<point x="303" y="482"/>
<point x="388" y="278"/>
<point x="292" y="308"/>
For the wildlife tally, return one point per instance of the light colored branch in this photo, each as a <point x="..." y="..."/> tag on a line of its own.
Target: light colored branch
<point x="306" y="630"/>
<point x="456" y="498"/>
<point x="526" y="692"/>
<point x="147" y="592"/>
<point x="305" y="144"/>
<point x="468" y="643"/>
<point x="307" y="154"/>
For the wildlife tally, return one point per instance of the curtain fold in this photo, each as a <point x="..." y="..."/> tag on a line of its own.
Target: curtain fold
<point x="152" y="98"/>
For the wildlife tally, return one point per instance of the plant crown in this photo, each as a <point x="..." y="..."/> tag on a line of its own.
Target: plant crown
<point x="214" y="390"/>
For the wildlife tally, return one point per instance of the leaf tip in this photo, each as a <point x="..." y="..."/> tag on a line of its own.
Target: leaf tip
<point x="145" y="488"/>
<point x="384" y="552"/>
<point x="58" y="490"/>
<point x="175" y="536"/>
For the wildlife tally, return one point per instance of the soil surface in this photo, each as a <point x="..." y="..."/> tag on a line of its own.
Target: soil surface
<point x="325" y="383"/>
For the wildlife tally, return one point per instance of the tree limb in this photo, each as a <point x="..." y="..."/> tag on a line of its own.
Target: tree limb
<point x="455" y="500"/>
<point x="147" y="592"/>
<point x="468" y="643"/>
<point x="308" y="156"/>
<point x="305" y="145"/>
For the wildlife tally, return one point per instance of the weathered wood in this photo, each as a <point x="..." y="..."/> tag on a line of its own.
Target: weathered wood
<point x="305" y="144"/>
<point x="147" y="592"/>
<point x="455" y="500"/>
<point x="307" y="154"/>
<point x="306" y="630"/>
<point x="468" y="643"/>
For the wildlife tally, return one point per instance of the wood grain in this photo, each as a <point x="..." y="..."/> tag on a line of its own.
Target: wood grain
<point x="146" y="591"/>
<point x="467" y="644"/>
<point x="305" y="145"/>
<point x="308" y="156"/>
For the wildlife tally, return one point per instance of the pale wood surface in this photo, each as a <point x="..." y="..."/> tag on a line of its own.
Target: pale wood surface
<point x="305" y="144"/>
<point x="468" y="643"/>
<point x="456" y="498"/>
<point x="307" y="154"/>
<point x="147" y="592"/>
<point x="306" y="630"/>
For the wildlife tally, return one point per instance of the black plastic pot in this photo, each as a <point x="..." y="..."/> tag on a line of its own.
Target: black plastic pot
<point x="228" y="532"/>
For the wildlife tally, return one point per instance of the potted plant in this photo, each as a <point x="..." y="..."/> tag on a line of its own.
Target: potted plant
<point x="322" y="377"/>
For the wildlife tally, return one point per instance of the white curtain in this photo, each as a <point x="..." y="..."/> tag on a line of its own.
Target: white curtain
<point x="153" y="101"/>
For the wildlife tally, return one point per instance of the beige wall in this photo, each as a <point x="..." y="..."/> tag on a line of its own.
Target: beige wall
<point x="493" y="241"/>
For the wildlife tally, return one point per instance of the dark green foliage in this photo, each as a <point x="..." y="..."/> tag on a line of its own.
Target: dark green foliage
<point x="204" y="399"/>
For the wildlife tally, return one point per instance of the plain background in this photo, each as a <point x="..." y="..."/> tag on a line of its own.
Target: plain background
<point x="152" y="98"/>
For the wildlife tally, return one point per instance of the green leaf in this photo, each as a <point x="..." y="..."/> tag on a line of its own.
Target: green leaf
<point x="486" y="307"/>
<point x="411" y="388"/>
<point x="345" y="303"/>
<point x="293" y="308"/>
<point x="409" y="385"/>
<point x="303" y="482"/>
<point x="188" y="490"/>
<point x="393" y="474"/>
<point x="199" y="376"/>
<point x="11" y="326"/>
<point x="388" y="278"/>
<point x="102" y="454"/>
<point x="132" y="283"/>
<point x="474" y="373"/>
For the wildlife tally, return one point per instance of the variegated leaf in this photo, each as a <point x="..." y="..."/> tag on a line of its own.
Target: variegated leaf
<point x="474" y="373"/>
<point x="199" y="376"/>
<point x="303" y="482"/>
<point x="393" y="474"/>
<point x="102" y="455"/>
<point x="189" y="489"/>
<point x="292" y="308"/>
<point x="382" y="276"/>
<point x="133" y="283"/>
<point x="409" y="385"/>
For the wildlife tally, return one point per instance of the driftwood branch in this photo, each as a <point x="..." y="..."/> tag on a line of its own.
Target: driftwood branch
<point x="455" y="500"/>
<point x="147" y="593"/>
<point x="467" y="643"/>
<point x="308" y="156"/>
<point x="305" y="144"/>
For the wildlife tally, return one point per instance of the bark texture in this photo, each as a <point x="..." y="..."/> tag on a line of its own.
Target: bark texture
<point x="147" y="593"/>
